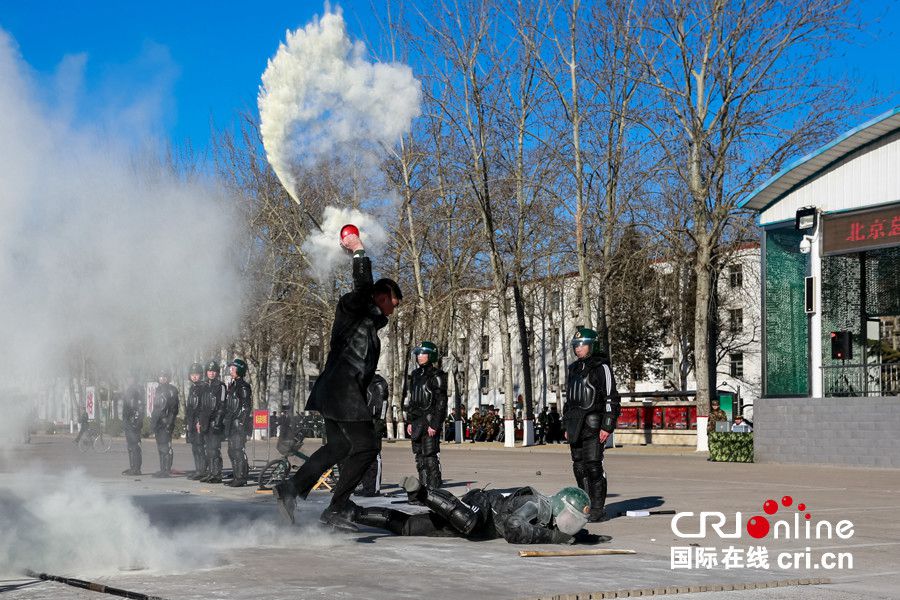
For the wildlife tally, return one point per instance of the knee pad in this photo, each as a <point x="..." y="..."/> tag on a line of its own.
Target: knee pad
<point x="461" y="517"/>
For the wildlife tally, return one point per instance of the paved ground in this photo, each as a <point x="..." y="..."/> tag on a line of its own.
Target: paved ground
<point x="69" y="513"/>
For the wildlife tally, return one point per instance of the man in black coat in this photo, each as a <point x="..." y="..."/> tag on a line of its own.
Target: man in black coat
<point x="340" y="392"/>
<point x="590" y="415"/>
<point x="192" y="421"/>
<point x="162" y="422"/>
<point x="425" y="412"/>
<point x="238" y="422"/>
<point x="212" y="422"/>
<point x="524" y="516"/>
<point x="133" y="410"/>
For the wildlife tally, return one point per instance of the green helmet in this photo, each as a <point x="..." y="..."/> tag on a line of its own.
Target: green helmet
<point x="428" y="348"/>
<point x="213" y="365"/>
<point x="586" y="336"/>
<point x="196" y="369"/>
<point x="241" y="366"/>
<point x="570" y="509"/>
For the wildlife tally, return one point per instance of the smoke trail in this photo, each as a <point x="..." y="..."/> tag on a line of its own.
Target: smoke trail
<point x="103" y="252"/>
<point x="322" y="100"/>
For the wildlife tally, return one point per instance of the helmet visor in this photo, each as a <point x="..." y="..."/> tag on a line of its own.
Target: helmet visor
<point x="570" y="521"/>
<point x="582" y="341"/>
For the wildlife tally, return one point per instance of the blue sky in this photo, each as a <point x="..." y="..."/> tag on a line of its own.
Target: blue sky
<point x="201" y="60"/>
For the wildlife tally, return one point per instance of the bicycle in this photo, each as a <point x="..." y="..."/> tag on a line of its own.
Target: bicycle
<point x="94" y="438"/>
<point x="280" y="469"/>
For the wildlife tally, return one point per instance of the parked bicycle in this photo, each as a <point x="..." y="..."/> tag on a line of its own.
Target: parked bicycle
<point x="290" y="440"/>
<point x="94" y="438"/>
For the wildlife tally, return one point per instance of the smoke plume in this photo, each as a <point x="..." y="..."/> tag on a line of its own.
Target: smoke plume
<point x="105" y="251"/>
<point x="321" y="99"/>
<point x="323" y="244"/>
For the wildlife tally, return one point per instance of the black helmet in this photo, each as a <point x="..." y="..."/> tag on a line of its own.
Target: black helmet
<point x="586" y="336"/>
<point x="213" y="365"/>
<point x="196" y="369"/>
<point x="240" y="365"/>
<point x="428" y="348"/>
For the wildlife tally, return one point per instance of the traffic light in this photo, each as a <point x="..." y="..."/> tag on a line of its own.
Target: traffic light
<point x="841" y="345"/>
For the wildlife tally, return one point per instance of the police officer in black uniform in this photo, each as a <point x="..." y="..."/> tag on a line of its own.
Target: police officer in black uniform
<point x="524" y="516"/>
<point x="238" y="421"/>
<point x="340" y="392"/>
<point x="425" y="412"/>
<point x="162" y="422"/>
<point x="377" y="395"/>
<point x="212" y="418"/>
<point x="590" y="414"/>
<point x="192" y="421"/>
<point x="133" y="410"/>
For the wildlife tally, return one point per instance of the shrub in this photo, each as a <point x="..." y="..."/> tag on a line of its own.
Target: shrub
<point x="731" y="447"/>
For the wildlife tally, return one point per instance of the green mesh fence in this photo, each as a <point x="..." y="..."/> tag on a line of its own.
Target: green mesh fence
<point x="840" y="303"/>
<point x="787" y="351"/>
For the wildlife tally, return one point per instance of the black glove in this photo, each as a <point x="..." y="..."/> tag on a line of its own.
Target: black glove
<point x="585" y="537"/>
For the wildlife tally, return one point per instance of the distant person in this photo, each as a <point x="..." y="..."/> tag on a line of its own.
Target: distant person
<point x="192" y="420"/>
<point x="133" y="411"/>
<point x="541" y="433"/>
<point x="739" y="426"/>
<point x="716" y="414"/>
<point x="425" y="412"/>
<point x="554" y="426"/>
<point x="591" y="413"/>
<point x="238" y="421"/>
<point x="212" y="422"/>
<point x="82" y="426"/>
<point x="162" y="422"/>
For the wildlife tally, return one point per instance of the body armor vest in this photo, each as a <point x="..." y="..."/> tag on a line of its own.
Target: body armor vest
<point x="421" y="395"/>
<point x="579" y="389"/>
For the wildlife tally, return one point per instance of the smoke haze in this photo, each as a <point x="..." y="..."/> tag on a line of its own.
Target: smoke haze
<point x="322" y="99"/>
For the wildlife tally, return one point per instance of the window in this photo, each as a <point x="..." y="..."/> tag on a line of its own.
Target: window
<point x="737" y="364"/>
<point x="312" y="381"/>
<point x="464" y="346"/>
<point x="288" y="383"/>
<point x="736" y="319"/>
<point x="315" y="353"/>
<point x="736" y="276"/>
<point x="485" y="380"/>
<point x="668" y="366"/>
<point x="553" y="377"/>
<point x="554" y="299"/>
<point x="485" y="346"/>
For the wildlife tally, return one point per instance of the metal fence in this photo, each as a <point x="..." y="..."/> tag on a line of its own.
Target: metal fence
<point x="873" y="379"/>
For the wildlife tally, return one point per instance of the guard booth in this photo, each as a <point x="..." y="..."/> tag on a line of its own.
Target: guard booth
<point x="831" y="302"/>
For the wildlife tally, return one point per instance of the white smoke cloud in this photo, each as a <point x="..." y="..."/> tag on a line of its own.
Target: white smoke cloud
<point x="102" y="247"/>
<point x="323" y="245"/>
<point x="73" y="524"/>
<point x="321" y="99"/>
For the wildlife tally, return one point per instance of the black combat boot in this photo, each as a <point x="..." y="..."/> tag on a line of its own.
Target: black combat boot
<point x="461" y="517"/>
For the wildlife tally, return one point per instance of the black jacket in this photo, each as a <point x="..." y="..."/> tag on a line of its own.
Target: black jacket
<point x="590" y="396"/>
<point x="524" y="516"/>
<point x="238" y="408"/>
<point x="165" y="408"/>
<point x="133" y="409"/>
<point x="340" y="391"/>
<point x="427" y="396"/>
<point x="212" y="407"/>
<point x="378" y="402"/>
<point x="192" y="410"/>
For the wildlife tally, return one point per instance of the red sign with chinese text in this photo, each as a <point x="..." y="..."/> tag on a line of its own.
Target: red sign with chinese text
<point x="260" y="419"/>
<point x="861" y="230"/>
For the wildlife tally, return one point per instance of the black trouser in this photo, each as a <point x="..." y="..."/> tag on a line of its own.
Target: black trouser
<point x="474" y="508"/>
<point x="239" y="465"/>
<point x="212" y="441"/>
<point x="199" y="452"/>
<point x="164" y="447"/>
<point x="587" y="464"/>
<point x="351" y="443"/>
<point x="135" y="459"/>
<point x="426" y="448"/>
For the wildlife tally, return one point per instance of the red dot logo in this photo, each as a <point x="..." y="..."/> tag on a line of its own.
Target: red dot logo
<point x="808" y="516"/>
<point x="770" y="507"/>
<point x="758" y="527"/>
<point x="801" y="507"/>
<point x="787" y="501"/>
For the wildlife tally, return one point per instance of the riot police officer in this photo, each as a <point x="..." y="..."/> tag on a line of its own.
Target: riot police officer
<point x="590" y="415"/>
<point x="133" y="410"/>
<point x="212" y="416"/>
<point x="238" y="421"/>
<point x="377" y="399"/>
<point x="425" y="411"/>
<point x="192" y="421"/>
<point x="162" y="422"/>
